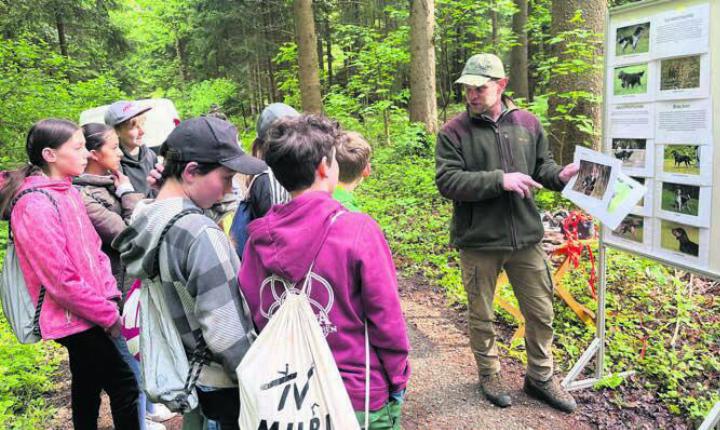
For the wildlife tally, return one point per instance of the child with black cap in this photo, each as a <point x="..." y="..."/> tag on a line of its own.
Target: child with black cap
<point x="197" y="263"/>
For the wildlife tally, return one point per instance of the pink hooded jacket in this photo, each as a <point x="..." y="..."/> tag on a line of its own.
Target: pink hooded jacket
<point x="355" y="281"/>
<point x="61" y="250"/>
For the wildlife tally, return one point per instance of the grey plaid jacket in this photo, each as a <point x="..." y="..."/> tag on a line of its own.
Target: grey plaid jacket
<point x="198" y="268"/>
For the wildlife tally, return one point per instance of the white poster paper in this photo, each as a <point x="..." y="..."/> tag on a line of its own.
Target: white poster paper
<point x="684" y="77"/>
<point x="634" y="232"/>
<point x="637" y="155"/>
<point x="685" y="164"/>
<point x="682" y="31"/>
<point x="689" y="204"/>
<point x="645" y="205"/>
<point x="632" y="83"/>
<point x="632" y="42"/>
<point x="632" y="120"/>
<point x="593" y="186"/>
<point x="683" y="121"/>
<point x="627" y="193"/>
<point x="681" y="243"/>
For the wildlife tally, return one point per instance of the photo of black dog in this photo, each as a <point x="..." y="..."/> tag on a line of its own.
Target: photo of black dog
<point x="685" y="245"/>
<point x="630" y="151"/>
<point x="623" y="154"/>
<point x="632" y="39"/>
<point x="631" y="80"/>
<point x="682" y="158"/>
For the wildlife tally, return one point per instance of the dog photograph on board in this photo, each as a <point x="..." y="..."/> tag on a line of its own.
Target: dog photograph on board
<point x="632" y="228"/>
<point x="630" y="80"/>
<point x="630" y="151"/>
<point x="632" y="39"/>
<point x="679" y="238"/>
<point x="682" y="159"/>
<point x="680" y="73"/>
<point x="680" y="198"/>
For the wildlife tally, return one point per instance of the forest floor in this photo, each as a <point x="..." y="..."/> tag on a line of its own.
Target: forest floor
<point x="444" y="393"/>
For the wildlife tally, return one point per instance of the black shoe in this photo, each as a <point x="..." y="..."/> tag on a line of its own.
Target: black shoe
<point x="551" y="393"/>
<point x="494" y="390"/>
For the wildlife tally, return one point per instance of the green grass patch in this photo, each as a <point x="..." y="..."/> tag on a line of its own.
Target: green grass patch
<point x="670" y="167"/>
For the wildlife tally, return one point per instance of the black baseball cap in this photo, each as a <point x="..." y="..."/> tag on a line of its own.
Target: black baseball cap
<point x="210" y="140"/>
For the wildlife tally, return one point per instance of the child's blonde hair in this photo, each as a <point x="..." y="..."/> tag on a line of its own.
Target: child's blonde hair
<point x="353" y="155"/>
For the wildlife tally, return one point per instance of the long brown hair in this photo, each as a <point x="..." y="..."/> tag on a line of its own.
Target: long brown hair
<point x="46" y="133"/>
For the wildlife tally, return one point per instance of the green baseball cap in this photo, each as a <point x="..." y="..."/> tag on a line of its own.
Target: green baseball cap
<point x="481" y="68"/>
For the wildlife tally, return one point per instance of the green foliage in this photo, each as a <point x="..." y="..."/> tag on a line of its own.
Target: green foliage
<point x="197" y="98"/>
<point x="35" y="85"/>
<point x="26" y="372"/>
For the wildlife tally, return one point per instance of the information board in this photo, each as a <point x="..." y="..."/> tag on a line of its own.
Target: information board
<point x="662" y="121"/>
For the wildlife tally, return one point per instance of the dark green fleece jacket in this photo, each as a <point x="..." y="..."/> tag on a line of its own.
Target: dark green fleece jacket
<point x="471" y="155"/>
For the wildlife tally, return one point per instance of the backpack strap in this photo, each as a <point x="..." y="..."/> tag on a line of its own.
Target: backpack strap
<point x="326" y="233"/>
<point x="200" y="355"/>
<point x="41" y="297"/>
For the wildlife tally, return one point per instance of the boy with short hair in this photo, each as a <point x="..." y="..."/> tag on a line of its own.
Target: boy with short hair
<point x="353" y="282"/>
<point x="197" y="264"/>
<point x="353" y="157"/>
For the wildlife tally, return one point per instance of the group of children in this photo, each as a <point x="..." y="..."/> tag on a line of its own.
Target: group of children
<point x="104" y="203"/>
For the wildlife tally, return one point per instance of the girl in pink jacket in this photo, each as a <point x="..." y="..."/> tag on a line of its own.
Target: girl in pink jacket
<point x="59" y="253"/>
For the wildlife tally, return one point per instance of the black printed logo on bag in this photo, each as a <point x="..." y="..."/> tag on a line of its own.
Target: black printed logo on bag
<point x="289" y="383"/>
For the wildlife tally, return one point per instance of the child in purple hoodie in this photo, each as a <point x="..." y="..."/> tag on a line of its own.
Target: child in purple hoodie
<point x="354" y="277"/>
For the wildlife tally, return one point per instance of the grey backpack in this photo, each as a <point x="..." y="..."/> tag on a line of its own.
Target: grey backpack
<point x="19" y="308"/>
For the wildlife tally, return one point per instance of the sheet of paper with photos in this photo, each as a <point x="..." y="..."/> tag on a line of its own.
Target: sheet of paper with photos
<point x="659" y="130"/>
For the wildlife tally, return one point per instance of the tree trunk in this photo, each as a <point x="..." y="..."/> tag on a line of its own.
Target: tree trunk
<point x="182" y="62"/>
<point x="423" y="100"/>
<point x="328" y="49"/>
<point x="563" y="134"/>
<point x="60" y="25"/>
<point x="519" y="53"/>
<point x="307" y="57"/>
<point x="494" y="27"/>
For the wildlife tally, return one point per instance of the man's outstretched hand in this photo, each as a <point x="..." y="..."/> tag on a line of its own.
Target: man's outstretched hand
<point x="519" y="183"/>
<point x="568" y="172"/>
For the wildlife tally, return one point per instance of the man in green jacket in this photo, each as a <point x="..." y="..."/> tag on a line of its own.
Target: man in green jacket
<point x="489" y="160"/>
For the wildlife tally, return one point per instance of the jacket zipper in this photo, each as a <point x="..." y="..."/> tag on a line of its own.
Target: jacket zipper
<point x="82" y="238"/>
<point x="506" y="169"/>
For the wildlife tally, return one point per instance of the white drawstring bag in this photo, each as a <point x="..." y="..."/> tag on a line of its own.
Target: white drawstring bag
<point x="288" y="378"/>
<point x="289" y="375"/>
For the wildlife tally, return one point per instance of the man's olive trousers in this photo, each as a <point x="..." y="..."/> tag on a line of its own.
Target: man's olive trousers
<point x="529" y="275"/>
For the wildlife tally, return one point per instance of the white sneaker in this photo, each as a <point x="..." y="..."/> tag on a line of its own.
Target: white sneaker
<point x="161" y="414"/>
<point x="152" y="425"/>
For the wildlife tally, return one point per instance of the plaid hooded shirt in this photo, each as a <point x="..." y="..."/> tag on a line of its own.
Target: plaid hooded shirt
<point x="198" y="268"/>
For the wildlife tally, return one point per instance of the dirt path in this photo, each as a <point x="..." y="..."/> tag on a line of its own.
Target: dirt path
<point x="444" y="391"/>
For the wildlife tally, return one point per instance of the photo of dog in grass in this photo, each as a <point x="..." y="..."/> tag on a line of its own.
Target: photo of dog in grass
<point x="633" y="39"/>
<point x="679" y="198"/>
<point x="630" y="151"/>
<point x="630" y="80"/>
<point x="680" y="73"/>
<point x="682" y="159"/>
<point x="592" y="179"/>
<point x="680" y="237"/>
<point x="631" y="228"/>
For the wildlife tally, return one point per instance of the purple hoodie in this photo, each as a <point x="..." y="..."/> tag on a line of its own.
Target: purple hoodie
<point x="356" y="281"/>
